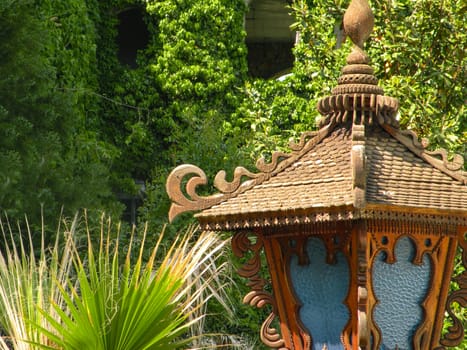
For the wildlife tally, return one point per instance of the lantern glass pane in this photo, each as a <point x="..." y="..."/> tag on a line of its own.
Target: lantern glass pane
<point x="321" y="289"/>
<point x="400" y="288"/>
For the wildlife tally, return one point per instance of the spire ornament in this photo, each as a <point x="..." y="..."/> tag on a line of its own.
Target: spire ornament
<point x="357" y="95"/>
<point x="358" y="25"/>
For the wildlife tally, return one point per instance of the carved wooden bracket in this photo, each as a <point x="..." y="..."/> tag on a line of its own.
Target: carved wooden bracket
<point x="242" y="243"/>
<point x="456" y="332"/>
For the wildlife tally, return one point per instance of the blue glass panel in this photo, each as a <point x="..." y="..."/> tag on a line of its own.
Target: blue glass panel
<point x="400" y="288"/>
<point x="322" y="288"/>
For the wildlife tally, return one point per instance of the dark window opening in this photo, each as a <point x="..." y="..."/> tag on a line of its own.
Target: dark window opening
<point x="269" y="38"/>
<point x="132" y="202"/>
<point x="133" y="35"/>
<point x="130" y="213"/>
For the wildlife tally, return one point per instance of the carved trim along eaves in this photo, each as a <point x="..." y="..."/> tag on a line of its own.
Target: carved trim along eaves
<point x="438" y="158"/>
<point x="189" y="200"/>
<point x="271" y="221"/>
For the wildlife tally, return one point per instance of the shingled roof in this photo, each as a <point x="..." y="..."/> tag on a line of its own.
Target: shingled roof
<point x="359" y="164"/>
<point x="319" y="181"/>
<point x="319" y="185"/>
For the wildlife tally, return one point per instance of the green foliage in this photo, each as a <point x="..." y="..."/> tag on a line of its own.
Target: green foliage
<point x="275" y="110"/>
<point x="48" y="151"/>
<point x="198" y="69"/>
<point x="418" y="52"/>
<point x="91" y="300"/>
<point x="418" y="49"/>
<point x="76" y="122"/>
<point x="175" y="100"/>
<point x="28" y="280"/>
<point x="196" y="63"/>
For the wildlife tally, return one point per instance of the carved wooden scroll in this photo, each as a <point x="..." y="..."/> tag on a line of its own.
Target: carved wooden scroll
<point x="242" y="243"/>
<point x="189" y="200"/>
<point x="456" y="332"/>
<point x="184" y="181"/>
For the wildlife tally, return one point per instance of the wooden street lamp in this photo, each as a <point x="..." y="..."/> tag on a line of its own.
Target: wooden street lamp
<point x="359" y="223"/>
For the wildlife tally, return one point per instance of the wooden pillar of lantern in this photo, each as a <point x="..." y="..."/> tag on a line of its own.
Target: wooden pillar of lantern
<point x="359" y="224"/>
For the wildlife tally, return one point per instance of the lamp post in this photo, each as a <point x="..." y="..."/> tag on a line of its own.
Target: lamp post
<point x="359" y="223"/>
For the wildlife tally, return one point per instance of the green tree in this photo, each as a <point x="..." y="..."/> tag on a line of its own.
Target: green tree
<point x="417" y="50"/>
<point x="48" y="155"/>
<point x="189" y="81"/>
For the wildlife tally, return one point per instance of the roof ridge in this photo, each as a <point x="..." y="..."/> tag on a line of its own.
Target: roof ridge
<point x="189" y="200"/>
<point x="438" y="158"/>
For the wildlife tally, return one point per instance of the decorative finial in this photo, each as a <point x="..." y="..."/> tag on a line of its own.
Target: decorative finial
<point x="358" y="97"/>
<point x="358" y="25"/>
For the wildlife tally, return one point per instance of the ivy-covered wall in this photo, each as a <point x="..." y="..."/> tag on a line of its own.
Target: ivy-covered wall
<point x="50" y="150"/>
<point x="170" y="107"/>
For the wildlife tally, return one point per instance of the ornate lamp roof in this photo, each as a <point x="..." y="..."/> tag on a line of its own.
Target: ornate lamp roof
<point x="359" y="164"/>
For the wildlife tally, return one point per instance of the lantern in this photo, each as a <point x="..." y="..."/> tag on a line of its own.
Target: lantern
<point x="359" y="223"/>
